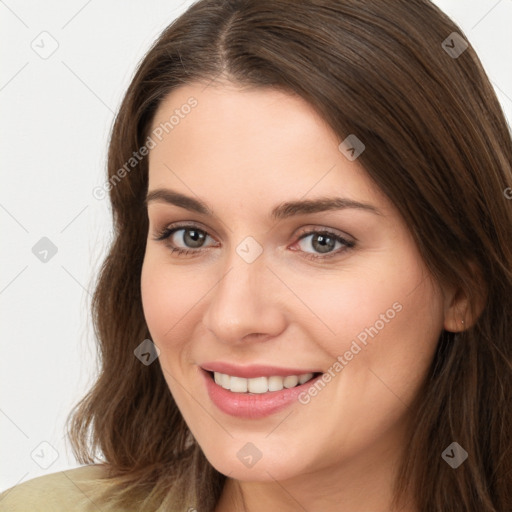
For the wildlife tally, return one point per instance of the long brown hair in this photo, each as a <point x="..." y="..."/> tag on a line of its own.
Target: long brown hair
<point x="437" y="144"/>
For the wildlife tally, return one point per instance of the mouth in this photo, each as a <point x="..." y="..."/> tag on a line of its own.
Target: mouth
<point x="256" y="397"/>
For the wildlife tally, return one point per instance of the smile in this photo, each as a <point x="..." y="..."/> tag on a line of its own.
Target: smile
<point x="255" y="395"/>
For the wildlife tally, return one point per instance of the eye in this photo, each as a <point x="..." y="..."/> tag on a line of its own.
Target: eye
<point x="189" y="236"/>
<point x="324" y="244"/>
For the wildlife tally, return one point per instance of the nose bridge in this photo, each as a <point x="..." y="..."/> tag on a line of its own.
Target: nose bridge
<point x="242" y="302"/>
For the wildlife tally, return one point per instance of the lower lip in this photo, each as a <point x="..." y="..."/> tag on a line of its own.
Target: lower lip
<point x="253" y="406"/>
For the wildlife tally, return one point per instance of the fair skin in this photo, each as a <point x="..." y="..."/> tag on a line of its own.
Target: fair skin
<point x="243" y="152"/>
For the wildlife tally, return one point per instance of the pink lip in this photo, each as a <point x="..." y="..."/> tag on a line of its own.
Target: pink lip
<point x="257" y="370"/>
<point x="253" y="406"/>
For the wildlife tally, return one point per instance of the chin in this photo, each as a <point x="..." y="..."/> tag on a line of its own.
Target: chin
<point x="265" y="469"/>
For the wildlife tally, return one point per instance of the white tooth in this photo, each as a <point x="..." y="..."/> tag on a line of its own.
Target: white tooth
<point x="218" y="378"/>
<point x="225" y="381"/>
<point x="275" y="383"/>
<point x="257" y="385"/>
<point x="291" y="381"/>
<point x="238" y="385"/>
<point x="305" y="377"/>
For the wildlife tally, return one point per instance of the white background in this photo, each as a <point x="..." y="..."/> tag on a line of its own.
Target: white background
<point x="56" y="118"/>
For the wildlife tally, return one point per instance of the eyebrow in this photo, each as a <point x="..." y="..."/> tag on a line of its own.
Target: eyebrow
<point x="280" y="212"/>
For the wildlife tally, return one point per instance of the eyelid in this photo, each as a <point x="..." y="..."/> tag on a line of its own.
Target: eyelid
<point x="174" y="226"/>
<point x="318" y="228"/>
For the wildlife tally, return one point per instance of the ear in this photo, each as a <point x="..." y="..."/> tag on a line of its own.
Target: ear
<point x="455" y="311"/>
<point x="460" y="311"/>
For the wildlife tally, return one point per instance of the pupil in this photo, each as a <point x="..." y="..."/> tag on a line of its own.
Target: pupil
<point x="193" y="237"/>
<point x="326" y="243"/>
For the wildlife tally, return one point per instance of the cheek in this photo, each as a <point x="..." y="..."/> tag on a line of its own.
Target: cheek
<point x="171" y="301"/>
<point x="387" y="336"/>
<point x="157" y="302"/>
<point x="166" y="299"/>
<point x="385" y="320"/>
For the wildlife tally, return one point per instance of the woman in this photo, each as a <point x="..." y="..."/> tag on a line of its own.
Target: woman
<point x="306" y="304"/>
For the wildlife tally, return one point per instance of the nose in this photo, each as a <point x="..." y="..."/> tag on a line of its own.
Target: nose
<point x="248" y="303"/>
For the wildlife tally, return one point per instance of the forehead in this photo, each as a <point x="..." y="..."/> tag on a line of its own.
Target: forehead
<point x="249" y="143"/>
<point x="251" y="115"/>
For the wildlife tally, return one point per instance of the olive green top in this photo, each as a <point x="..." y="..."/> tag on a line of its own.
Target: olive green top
<point x="64" y="491"/>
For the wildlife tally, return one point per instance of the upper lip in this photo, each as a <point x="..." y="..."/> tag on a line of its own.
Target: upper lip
<point x="256" y="370"/>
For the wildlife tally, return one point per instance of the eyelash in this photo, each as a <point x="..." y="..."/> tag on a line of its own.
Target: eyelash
<point x="165" y="233"/>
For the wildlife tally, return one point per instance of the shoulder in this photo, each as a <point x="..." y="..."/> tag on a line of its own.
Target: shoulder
<point x="62" y="491"/>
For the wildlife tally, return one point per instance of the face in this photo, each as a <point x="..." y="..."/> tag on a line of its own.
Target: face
<point x="258" y="287"/>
